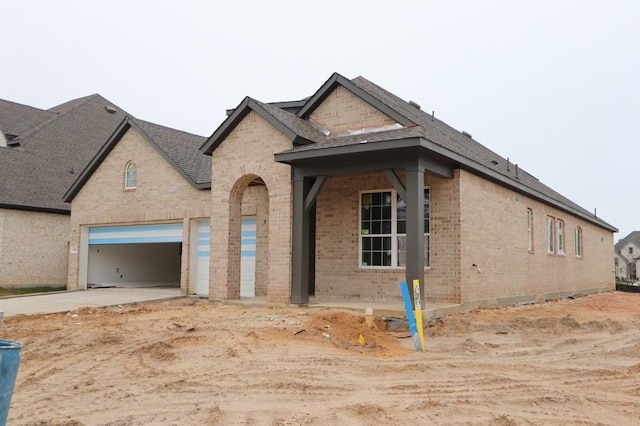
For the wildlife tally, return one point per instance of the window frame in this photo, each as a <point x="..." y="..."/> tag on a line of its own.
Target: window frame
<point x="127" y="180"/>
<point x="394" y="232"/>
<point x="551" y="234"/>
<point x="530" y="230"/>
<point x="579" y="242"/>
<point x="561" y="240"/>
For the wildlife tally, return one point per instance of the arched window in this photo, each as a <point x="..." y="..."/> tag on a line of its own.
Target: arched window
<point x="131" y="175"/>
<point x="578" y="241"/>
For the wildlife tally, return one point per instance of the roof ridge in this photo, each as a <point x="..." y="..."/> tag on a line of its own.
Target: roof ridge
<point x="59" y="115"/>
<point x="165" y="127"/>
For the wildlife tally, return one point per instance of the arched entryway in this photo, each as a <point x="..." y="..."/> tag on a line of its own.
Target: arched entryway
<point x="251" y="236"/>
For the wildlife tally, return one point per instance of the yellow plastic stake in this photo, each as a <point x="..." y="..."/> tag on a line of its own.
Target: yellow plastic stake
<point x="417" y="309"/>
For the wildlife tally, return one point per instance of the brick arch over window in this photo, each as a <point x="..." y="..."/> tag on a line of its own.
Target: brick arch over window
<point x="227" y="193"/>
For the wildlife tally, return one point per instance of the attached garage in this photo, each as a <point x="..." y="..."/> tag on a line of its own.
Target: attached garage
<point x="134" y="255"/>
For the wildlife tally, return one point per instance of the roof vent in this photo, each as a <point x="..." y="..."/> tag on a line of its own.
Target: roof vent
<point x="110" y="109"/>
<point x="494" y="162"/>
<point x="414" y="104"/>
<point x="467" y="134"/>
<point x="13" y="142"/>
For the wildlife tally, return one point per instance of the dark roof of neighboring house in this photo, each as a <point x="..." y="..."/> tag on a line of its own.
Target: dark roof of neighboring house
<point x="16" y="118"/>
<point x="57" y="144"/>
<point x="633" y="237"/>
<point x="179" y="148"/>
<point x="418" y="128"/>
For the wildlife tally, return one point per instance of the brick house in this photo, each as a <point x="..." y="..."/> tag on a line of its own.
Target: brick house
<point x="362" y="189"/>
<point x="140" y="210"/>
<point x="627" y="256"/>
<point x="41" y="153"/>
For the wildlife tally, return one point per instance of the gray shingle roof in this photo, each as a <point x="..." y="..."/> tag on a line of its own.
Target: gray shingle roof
<point x="461" y="149"/>
<point x="633" y="237"/>
<point x="17" y="118"/>
<point x="58" y="144"/>
<point x="182" y="148"/>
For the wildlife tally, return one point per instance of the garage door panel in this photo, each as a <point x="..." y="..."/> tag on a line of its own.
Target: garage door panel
<point x="132" y="234"/>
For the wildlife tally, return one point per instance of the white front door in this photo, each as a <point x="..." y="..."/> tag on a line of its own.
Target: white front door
<point x="248" y="257"/>
<point x="204" y="254"/>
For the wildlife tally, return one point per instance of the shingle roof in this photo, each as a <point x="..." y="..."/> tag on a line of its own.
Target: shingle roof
<point x="182" y="148"/>
<point x="58" y="144"/>
<point x="633" y="237"/>
<point x="16" y="118"/>
<point x="460" y="149"/>
<point x="53" y="152"/>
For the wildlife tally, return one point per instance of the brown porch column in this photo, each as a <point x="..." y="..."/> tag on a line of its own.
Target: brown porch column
<point x="415" y="227"/>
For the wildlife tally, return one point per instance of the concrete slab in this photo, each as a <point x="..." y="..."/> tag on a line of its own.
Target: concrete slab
<point x="97" y="297"/>
<point x="71" y="300"/>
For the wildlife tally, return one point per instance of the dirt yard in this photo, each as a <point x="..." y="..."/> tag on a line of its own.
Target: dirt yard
<point x="191" y="362"/>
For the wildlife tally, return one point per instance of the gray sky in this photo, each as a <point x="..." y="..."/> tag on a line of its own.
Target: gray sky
<point x="552" y="84"/>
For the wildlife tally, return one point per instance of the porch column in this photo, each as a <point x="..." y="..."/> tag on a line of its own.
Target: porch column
<point x="299" y="243"/>
<point x="305" y="191"/>
<point x="415" y="227"/>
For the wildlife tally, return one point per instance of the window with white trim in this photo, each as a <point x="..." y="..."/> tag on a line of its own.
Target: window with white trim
<point x="560" y="235"/>
<point x="383" y="227"/>
<point x="578" y="238"/>
<point x="530" y="230"/>
<point x="130" y="175"/>
<point x="551" y="234"/>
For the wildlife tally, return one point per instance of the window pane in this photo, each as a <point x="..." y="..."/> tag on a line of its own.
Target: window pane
<point x="376" y="258"/>
<point x="386" y="212"/>
<point x="402" y="227"/>
<point x="376" y="228"/>
<point x="366" y="244"/>
<point x="366" y="259"/>
<point x="377" y="243"/>
<point x="386" y="227"/>
<point x="402" y="250"/>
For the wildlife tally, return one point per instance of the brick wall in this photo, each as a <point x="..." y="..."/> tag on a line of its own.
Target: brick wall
<point x="33" y="248"/>
<point x="473" y="222"/>
<point x="161" y="195"/>
<point x="247" y="153"/>
<point x="338" y="273"/>
<point x="342" y="110"/>
<point x="494" y="236"/>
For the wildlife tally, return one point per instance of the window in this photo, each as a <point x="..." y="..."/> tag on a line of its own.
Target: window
<point x="560" y="236"/>
<point x="630" y="250"/>
<point x="383" y="227"/>
<point x="131" y="175"/>
<point x="530" y="230"/>
<point x="579" y="242"/>
<point x="551" y="234"/>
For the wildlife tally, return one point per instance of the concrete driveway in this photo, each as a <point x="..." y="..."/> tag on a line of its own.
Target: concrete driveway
<point x="70" y="300"/>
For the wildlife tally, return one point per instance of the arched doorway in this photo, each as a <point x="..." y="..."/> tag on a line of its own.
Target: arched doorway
<point x="248" y="240"/>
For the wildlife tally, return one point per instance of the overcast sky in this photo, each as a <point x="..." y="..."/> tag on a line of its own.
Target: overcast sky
<point x="552" y="84"/>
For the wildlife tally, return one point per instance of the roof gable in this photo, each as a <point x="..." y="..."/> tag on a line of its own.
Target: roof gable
<point x="282" y="120"/>
<point x="337" y="80"/>
<point x="179" y="149"/>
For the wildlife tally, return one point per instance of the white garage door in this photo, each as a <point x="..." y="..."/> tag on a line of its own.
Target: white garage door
<point x="132" y="234"/>
<point x="203" y="254"/>
<point x="248" y="257"/>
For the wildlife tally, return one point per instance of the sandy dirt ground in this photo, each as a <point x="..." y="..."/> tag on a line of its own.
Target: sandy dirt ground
<point x="191" y="362"/>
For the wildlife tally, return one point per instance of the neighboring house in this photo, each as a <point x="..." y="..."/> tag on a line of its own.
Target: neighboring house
<point x="363" y="189"/>
<point x="627" y="256"/>
<point x="41" y="153"/>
